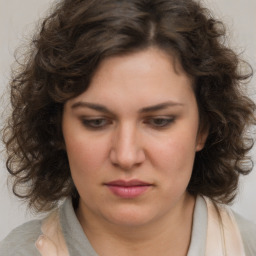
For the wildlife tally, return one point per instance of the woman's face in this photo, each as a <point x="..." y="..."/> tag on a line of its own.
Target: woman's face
<point x="131" y="139"/>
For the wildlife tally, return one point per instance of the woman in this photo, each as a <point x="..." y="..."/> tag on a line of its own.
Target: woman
<point x="131" y="111"/>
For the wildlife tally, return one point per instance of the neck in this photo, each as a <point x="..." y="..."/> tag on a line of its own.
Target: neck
<point x="170" y="235"/>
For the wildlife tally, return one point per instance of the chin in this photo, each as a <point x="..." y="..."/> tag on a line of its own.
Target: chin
<point x="131" y="217"/>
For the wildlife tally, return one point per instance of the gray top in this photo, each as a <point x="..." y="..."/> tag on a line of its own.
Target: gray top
<point x="21" y="241"/>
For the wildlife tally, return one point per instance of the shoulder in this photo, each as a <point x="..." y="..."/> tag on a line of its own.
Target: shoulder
<point x="21" y="241"/>
<point x="248" y="233"/>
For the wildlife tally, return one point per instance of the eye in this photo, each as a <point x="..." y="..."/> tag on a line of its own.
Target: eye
<point x="160" y="122"/>
<point x="96" y="123"/>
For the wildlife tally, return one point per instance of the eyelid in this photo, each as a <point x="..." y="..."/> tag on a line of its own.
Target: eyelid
<point x="169" y="117"/>
<point x="88" y="122"/>
<point x="156" y="122"/>
<point x="167" y="121"/>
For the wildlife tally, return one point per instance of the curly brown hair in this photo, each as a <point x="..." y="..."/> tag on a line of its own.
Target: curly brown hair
<point x="63" y="57"/>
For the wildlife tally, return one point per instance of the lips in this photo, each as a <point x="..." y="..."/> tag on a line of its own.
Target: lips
<point x="128" y="189"/>
<point x="130" y="183"/>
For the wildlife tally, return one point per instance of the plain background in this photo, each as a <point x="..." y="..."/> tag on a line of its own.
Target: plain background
<point x="17" y="20"/>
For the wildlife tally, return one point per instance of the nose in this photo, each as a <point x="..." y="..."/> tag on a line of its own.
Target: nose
<point x="127" y="151"/>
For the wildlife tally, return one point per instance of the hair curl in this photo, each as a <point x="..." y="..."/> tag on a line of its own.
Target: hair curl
<point x="63" y="57"/>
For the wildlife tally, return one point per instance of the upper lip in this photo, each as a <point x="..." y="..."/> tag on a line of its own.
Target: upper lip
<point x="127" y="183"/>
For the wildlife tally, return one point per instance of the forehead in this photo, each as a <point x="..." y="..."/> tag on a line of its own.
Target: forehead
<point x="147" y="77"/>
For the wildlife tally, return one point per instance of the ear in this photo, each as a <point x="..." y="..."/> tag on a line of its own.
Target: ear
<point x="202" y="136"/>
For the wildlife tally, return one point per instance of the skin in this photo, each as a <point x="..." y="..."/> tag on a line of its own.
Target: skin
<point x="133" y="140"/>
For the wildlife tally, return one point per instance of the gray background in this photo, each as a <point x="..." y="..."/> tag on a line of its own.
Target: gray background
<point x="17" y="20"/>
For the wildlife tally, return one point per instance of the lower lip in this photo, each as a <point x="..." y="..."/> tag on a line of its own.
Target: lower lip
<point x="128" y="192"/>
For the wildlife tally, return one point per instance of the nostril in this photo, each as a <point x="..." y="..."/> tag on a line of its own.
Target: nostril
<point x="127" y="160"/>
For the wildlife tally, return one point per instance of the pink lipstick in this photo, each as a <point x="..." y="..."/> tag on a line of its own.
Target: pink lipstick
<point x="128" y="189"/>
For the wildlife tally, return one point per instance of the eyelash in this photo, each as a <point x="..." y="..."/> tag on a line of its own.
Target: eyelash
<point x="92" y="123"/>
<point x="160" y="122"/>
<point x="155" y="122"/>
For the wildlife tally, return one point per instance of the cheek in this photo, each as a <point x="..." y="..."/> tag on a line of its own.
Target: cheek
<point x="174" y="157"/>
<point x="176" y="150"/>
<point x="87" y="160"/>
<point x="85" y="155"/>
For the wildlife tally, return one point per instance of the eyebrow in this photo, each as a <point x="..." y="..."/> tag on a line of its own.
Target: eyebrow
<point x="103" y="109"/>
<point x="94" y="106"/>
<point x="160" y="106"/>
